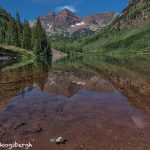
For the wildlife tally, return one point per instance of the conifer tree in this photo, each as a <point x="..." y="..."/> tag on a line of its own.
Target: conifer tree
<point x="33" y="37"/>
<point x="9" y="32"/>
<point x="44" y="42"/>
<point x="47" y="49"/>
<point x="26" y="37"/>
<point x="39" y="40"/>
<point x="19" y="29"/>
<point x="3" y="27"/>
<point x="37" y="47"/>
<point x="14" y="34"/>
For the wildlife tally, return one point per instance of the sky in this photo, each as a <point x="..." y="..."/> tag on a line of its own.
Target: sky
<point x="30" y="9"/>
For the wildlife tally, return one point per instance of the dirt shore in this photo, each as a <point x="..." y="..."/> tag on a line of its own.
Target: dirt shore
<point x="4" y="58"/>
<point x="57" y="55"/>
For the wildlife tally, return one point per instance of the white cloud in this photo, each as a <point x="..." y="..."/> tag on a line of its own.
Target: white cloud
<point x="71" y="8"/>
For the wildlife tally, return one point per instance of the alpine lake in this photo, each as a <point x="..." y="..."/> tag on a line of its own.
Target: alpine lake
<point x="95" y="102"/>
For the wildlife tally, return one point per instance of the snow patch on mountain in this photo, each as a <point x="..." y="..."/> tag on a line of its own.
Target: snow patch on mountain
<point x="78" y="24"/>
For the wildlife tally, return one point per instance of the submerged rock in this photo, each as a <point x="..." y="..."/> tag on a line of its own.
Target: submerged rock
<point x="57" y="140"/>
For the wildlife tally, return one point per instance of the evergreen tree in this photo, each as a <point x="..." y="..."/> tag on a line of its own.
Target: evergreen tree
<point x="37" y="47"/>
<point x="39" y="40"/>
<point x="38" y="37"/>
<point x="9" y="32"/>
<point x="14" y="34"/>
<point x="19" y="29"/>
<point x="3" y="27"/>
<point x="26" y="37"/>
<point x="43" y="37"/>
<point x="36" y="40"/>
<point x="47" y="49"/>
<point x="33" y="38"/>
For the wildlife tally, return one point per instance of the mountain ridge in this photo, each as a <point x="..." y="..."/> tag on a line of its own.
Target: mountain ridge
<point x="129" y="30"/>
<point x="69" y="22"/>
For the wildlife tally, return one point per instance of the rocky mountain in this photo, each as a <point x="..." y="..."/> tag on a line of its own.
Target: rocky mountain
<point x="100" y="20"/>
<point x="137" y="14"/>
<point x="66" y="22"/>
<point x="63" y="19"/>
<point x="130" y="30"/>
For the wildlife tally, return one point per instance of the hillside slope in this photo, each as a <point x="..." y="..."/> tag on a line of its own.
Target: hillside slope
<point x="4" y="15"/>
<point x="130" y="30"/>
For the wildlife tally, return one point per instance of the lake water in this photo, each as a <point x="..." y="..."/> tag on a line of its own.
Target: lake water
<point x="94" y="102"/>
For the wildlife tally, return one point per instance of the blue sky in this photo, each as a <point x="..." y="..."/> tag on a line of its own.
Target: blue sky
<point x="30" y="9"/>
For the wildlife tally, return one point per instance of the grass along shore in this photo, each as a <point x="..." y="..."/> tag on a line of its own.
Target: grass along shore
<point x="22" y="52"/>
<point x="26" y="56"/>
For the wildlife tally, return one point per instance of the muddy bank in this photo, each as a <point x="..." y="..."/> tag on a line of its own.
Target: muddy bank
<point x="56" y="55"/>
<point x="5" y="58"/>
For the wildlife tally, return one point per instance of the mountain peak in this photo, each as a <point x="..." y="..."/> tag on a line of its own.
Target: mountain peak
<point x="68" y="21"/>
<point x="51" y="13"/>
<point x="66" y="12"/>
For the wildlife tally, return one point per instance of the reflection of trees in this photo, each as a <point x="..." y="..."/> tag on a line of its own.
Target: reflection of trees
<point x="128" y="79"/>
<point x="6" y="63"/>
<point x="20" y="81"/>
<point x="43" y="61"/>
<point x="24" y="92"/>
<point x="0" y="74"/>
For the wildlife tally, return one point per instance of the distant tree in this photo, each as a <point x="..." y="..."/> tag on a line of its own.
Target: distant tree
<point x="36" y="38"/>
<point x="26" y="37"/>
<point x="41" y="46"/>
<point x="14" y="34"/>
<point x="43" y="37"/>
<point x="19" y="29"/>
<point x="47" y="49"/>
<point x="33" y="37"/>
<point x="17" y="17"/>
<point x="9" y="33"/>
<point x="130" y="1"/>
<point x="3" y="28"/>
<point x="37" y="47"/>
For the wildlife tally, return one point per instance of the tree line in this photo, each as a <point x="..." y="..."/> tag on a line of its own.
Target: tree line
<point x="67" y="44"/>
<point x="14" y="32"/>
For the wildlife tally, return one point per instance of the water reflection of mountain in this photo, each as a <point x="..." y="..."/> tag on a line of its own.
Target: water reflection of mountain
<point x="127" y="73"/>
<point x="67" y="83"/>
<point x="14" y="81"/>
